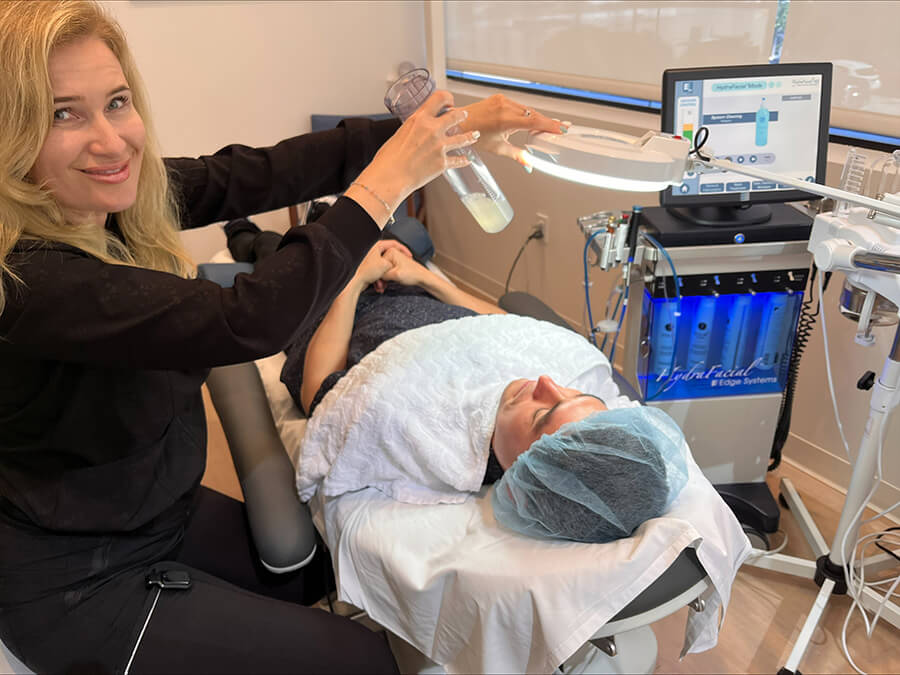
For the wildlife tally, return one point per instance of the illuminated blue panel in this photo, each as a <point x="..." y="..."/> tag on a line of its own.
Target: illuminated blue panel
<point x="726" y="345"/>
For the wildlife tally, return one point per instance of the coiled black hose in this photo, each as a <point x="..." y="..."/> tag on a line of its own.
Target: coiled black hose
<point x="805" y="324"/>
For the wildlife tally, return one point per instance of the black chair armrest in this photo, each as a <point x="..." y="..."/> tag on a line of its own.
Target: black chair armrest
<point x="524" y="304"/>
<point x="281" y="526"/>
<point x="682" y="574"/>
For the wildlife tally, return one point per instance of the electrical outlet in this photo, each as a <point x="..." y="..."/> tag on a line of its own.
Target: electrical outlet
<point x="542" y="223"/>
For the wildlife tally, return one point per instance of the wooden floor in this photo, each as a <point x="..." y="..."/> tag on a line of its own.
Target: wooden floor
<point x="767" y="609"/>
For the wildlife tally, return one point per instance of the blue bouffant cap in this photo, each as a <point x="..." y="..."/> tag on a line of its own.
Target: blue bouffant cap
<point x="595" y="480"/>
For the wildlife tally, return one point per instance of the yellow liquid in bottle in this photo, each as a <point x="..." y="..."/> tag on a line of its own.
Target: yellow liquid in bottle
<point x="491" y="215"/>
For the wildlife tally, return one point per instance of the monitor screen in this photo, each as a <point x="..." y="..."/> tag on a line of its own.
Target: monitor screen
<point x="774" y="117"/>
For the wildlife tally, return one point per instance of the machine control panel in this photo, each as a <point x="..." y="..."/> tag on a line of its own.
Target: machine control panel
<point x="763" y="281"/>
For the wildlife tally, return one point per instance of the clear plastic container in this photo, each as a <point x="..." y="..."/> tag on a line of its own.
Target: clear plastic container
<point x="474" y="184"/>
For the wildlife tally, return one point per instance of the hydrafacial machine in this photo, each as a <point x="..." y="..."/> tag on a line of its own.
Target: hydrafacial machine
<point x="716" y="291"/>
<point x="716" y="278"/>
<point x="720" y="358"/>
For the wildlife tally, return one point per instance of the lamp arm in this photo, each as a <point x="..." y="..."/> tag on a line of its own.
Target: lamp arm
<point x="815" y="188"/>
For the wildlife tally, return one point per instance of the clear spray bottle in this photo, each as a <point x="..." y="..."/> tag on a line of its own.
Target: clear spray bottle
<point x="474" y="184"/>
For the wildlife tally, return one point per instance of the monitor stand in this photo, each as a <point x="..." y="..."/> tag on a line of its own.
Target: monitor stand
<point x="785" y="224"/>
<point x="723" y="216"/>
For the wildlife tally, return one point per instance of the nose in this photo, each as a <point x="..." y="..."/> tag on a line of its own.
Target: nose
<point x="547" y="391"/>
<point x="105" y="138"/>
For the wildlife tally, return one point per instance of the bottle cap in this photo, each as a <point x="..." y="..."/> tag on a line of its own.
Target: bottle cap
<point x="405" y="95"/>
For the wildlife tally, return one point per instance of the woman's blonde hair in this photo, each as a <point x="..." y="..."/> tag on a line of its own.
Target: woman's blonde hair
<point x="29" y="32"/>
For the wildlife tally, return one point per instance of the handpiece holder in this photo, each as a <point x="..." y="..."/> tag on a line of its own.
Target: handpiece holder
<point x="865" y="248"/>
<point x="608" y="234"/>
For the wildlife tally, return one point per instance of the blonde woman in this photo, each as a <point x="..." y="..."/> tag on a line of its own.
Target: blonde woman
<point x="105" y="340"/>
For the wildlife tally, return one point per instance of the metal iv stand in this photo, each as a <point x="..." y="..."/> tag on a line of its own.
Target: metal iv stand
<point x="828" y="569"/>
<point x="837" y="243"/>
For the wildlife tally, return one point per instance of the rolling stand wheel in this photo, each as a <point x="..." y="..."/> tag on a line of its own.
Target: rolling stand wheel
<point x="759" y="539"/>
<point x="783" y="502"/>
<point x="785" y="671"/>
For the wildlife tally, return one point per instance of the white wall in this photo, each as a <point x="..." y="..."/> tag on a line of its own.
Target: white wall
<point x="253" y="72"/>
<point x="552" y="270"/>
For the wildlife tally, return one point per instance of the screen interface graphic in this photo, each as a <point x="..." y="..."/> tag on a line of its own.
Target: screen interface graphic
<point x="769" y="122"/>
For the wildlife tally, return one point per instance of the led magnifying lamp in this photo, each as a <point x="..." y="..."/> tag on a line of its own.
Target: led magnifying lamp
<point x="611" y="160"/>
<point x="650" y="163"/>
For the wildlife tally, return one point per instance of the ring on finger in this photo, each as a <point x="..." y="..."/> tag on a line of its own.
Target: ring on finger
<point x="527" y="112"/>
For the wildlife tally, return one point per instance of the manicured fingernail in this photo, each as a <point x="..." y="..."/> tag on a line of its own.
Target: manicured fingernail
<point x="528" y="168"/>
<point x="563" y="129"/>
<point x="476" y="134"/>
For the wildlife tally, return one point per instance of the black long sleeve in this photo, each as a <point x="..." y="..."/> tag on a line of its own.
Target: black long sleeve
<point x="102" y="428"/>
<point x="73" y="307"/>
<point x="293" y="171"/>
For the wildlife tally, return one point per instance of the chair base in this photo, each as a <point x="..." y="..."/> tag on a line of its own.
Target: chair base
<point x="636" y="652"/>
<point x="10" y="664"/>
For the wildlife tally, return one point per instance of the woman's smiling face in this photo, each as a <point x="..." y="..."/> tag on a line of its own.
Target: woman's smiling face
<point x="91" y="160"/>
<point x="531" y="408"/>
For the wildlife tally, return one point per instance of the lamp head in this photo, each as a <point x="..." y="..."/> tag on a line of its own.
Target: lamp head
<point x="609" y="159"/>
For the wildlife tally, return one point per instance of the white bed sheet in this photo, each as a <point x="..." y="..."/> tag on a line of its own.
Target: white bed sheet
<point x="474" y="597"/>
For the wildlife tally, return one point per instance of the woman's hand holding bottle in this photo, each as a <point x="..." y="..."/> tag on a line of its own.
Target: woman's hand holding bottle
<point x="418" y="151"/>
<point x="412" y="157"/>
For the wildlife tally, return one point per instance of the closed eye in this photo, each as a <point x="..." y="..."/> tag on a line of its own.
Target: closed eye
<point x="538" y="412"/>
<point x="546" y="416"/>
<point x="545" y="419"/>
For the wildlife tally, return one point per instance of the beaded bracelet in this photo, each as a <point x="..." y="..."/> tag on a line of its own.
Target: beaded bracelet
<point x="375" y="194"/>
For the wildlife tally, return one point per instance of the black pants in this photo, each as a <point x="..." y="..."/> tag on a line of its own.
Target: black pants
<point x="236" y="617"/>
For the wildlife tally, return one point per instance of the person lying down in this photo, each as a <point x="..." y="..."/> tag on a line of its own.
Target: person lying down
<point x="427" y="393"/>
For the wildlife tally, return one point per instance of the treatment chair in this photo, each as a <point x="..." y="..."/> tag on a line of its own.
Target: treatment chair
<point x="10" y="664"/>
<point x="283" y="531"/>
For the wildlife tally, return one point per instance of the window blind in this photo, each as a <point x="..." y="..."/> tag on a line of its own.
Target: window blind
<point x="621" y="48"/>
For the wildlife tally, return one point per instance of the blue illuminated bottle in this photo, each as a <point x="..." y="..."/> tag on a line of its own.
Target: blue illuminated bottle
<point x="762" y="124"/>
<point x="473" y="183"/>
<point x="773" y="328"/>
<point x="701" y="332"/>
<point x="662" y="343"/>
<point x="734" y="343"/>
